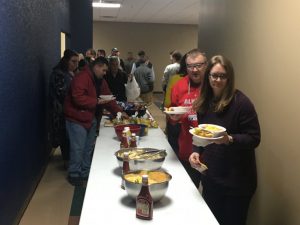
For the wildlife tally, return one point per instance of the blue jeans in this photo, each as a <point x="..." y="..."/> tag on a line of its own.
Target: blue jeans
<point x="82" y="143"/>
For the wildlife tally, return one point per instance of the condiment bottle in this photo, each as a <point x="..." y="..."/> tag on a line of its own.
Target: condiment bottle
<point x="125" y="168"/>
<point x="144" y="201"/>
<point x="127" y="130"/>
<point x="124" y="140"/>
<point x="119" y="118"/>
<point x="133" y="143"/>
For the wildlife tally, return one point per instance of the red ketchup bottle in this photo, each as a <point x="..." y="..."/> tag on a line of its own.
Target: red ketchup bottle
<point x="125" y="168"/>
<point x="124" y="140"/>
<point x="144" y="201"/>
<point x="133" y="143"/>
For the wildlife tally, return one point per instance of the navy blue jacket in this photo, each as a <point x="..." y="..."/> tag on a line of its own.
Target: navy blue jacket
<point x="232" y="168"/>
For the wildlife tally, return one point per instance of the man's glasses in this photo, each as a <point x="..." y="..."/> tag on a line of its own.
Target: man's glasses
<point x="215" y="76"/>
<point x="197" y="66"/>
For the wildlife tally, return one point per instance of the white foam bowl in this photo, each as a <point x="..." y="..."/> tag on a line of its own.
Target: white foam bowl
<point x="216" y="130"/>
<point x="107" y="97"/>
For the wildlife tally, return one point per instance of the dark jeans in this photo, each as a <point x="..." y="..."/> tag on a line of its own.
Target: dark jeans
<point x="228" y="210"/>
<point x="173" y="132"/>
<point x="194" y="174"/>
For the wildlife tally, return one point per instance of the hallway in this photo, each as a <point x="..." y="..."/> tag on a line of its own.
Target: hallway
<point x="52" y="200"/>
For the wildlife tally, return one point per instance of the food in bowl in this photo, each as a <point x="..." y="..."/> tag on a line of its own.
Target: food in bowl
<point x="137" y="109"/>
<point x="154" y="177"/>
<point x="144" y="130"/>
<point x="134" y="128"/>
<point x="177" y="110"/>
<point x="158" y="183"/>
<point x="142" y="153"/>
<point x="169" y="109"/>
<point x="203" y="133"/>
<point x="142" y="158"/>
<point x="216" y="130"/>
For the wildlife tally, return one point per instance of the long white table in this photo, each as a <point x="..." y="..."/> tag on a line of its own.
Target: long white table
<point x="106" y="203"/>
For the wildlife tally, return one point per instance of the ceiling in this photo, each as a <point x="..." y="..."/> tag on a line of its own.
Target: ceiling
<point x="150" y="11"/>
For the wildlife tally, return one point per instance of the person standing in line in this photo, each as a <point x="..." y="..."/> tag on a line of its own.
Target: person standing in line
<point x="171" y="69"/>
<point x="60" y="81"/>
<point x="101" y="52"/>
<point x="143" y="59"/>
<point x="230" y="181"/>
<point x="90" y="55"/>
<point x="128" y="62"/>
<point x="116" y="53"/>
<point x="184" y="93"/>
<point x="81" y="119"/>
<point x="116" y="79"/>
<point x="144" y="78"/>
<point x="182" y="72"/>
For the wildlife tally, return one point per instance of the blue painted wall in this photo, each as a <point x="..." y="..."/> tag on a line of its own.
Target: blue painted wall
<point x="29" y="48"/>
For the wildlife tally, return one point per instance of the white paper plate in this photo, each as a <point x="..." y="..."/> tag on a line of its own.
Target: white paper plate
<point x="174" y="112"/>
<point x="178" y="110"/>
<point x="107" y="97"/>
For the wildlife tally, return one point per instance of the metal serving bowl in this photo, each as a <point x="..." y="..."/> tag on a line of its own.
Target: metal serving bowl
<point x="157" y="189"/>
<point x="144" y="162"/>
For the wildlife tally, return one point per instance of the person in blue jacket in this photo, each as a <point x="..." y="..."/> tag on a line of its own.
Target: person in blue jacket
<point x="230" y="181"/>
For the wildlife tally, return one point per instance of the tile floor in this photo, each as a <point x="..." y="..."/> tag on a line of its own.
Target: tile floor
<point x="52" y="199"/>
<point x="51" y="202"/>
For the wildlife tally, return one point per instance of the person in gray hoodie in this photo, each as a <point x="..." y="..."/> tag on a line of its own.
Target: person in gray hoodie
<point x="144" y="77"/>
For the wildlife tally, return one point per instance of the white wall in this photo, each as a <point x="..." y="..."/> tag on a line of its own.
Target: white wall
<point x="156" y="39"/>
<point x="262" y="38"/>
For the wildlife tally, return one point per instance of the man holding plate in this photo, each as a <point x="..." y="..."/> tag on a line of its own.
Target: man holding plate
<point x="184" y="93"/>
<point x="82" y="109"/>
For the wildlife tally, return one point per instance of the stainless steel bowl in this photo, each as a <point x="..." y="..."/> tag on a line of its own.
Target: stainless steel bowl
<point x="157" y="190"/>
<point x="143" y="163"/>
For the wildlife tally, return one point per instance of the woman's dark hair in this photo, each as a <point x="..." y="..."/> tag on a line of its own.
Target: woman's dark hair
<point x="63" y="63"/>
<point x="207" y="101"/>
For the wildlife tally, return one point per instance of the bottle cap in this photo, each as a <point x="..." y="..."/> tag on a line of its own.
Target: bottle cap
<point x="145" y="179"/>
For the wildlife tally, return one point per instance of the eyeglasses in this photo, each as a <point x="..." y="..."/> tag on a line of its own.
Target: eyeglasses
<point x="197" y="66"/>
<point x="215" y="76"/>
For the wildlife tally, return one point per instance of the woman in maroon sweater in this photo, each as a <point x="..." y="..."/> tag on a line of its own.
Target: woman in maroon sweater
<point x="230" y="181"/>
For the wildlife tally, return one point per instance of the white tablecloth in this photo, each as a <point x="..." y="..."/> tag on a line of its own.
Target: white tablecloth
<point x="106" y="203"/>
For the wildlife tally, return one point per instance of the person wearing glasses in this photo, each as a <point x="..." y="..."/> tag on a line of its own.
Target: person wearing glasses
<point x="184" y="93"/>
<point x="230" y="181"/>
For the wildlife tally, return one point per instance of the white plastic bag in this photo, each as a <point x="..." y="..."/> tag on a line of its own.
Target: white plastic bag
<point x="132" y="90"/>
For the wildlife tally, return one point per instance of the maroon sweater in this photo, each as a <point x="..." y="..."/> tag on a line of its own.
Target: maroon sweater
<point x="81" y="101"/>
<point x="232" y="168"/>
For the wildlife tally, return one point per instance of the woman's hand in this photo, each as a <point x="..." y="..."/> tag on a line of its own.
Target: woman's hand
<point x="226" y="139"/>
<point x="124" y="115"/>
<point x="194" y="159"/>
